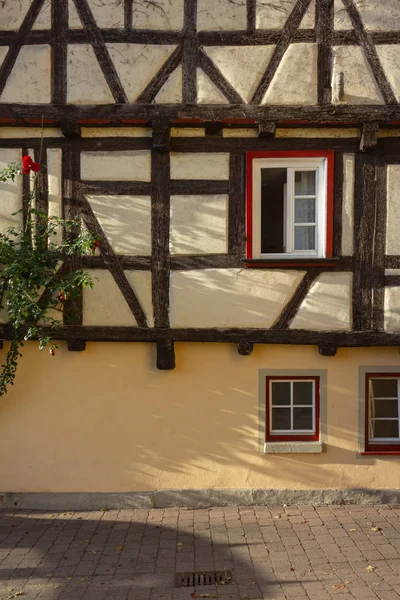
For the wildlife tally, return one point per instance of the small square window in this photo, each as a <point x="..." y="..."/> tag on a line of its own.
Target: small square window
<point x="289" y="204"/>
<point x="382" y="415"/>
<point x="292" y="409"/>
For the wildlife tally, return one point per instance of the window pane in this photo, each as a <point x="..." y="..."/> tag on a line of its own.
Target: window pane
<point x="385" y="429"/>
<point x="384" y="388"/>
<point x="302" y="418"/>
<point x="280" y="419"/>
<point x="273" y="183"/>
<point x="304" y="238"/>
<point x="304" y="210"/>
<point x="304" y="183"/>
<point x="280" y="392"/>
<point x="385" y="408"/>
<point x="303" y="392"/>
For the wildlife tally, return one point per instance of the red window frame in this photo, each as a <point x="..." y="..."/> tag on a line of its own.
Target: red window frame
<point x="377" y="448"/>
<point x="314" y="437"/>
<point x="250" y="156"/>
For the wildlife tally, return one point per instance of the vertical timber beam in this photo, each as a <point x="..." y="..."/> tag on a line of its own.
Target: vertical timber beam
<point x="190" y="50"/>
<point x="236" y="209"/>
<point x="369" y="242"/>
<point x="338" y="204"/>
<point x="59" y="29"/>
<point x="324" y="30"/>
<point x="160" y="220"/>
<point x="251" y="15"/>
<point x="73" y="309"/>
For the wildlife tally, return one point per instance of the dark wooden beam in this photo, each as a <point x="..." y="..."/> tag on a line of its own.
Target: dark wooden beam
<point x="266" y="129"/>
<point x="95" y="37"/>
<point x="76" y="345"/>
<point x="327" y="349"/>
<point x="18" y="41"/>
<point x="155" y="85"/>
<point x="165" y="355"/>
<point x="190" y="47"/>
<point x="71" y="131"/>
<point x="251" y="15"/>
<point x="59" y="28"/>
<point x="128" y="14"/>
<point x="117" y="188"/>
<point x="338" y="204"/>
<point x="370" y="52"/>
<point x="291" y="26"/>
<point x="369" y="136"/>
<point x="236" y="207"/>
<point x="290" y="310"/>
<point x="199" y="187"/>
<point x="217" y="144"/>
<point x="218" y="79"/>
<point x="392" y="281"/>
<point x="379" y="246"/>
<point x="324" y="27"/>
<point x="245" y="348"/>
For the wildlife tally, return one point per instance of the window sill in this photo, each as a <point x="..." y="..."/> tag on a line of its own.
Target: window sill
<point x="293" y="448"/>
<point x="263" y="263"/>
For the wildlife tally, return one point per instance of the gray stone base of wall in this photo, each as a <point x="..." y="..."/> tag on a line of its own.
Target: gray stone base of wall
<point x="193" y="498"/>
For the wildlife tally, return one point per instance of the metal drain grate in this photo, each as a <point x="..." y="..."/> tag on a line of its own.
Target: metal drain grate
<point x="203" y="578"/>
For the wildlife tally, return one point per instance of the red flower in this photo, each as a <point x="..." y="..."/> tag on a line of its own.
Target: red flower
<point x="29" y="165"/>
<point x="52" y="351"/>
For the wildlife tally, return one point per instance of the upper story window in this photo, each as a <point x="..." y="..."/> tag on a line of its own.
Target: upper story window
<point x="289" y="204"/>
<point x="382" y="412"/>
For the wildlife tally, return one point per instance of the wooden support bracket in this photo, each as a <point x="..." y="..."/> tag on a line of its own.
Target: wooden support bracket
<point x="214" y="128"/>
<point x="76" y="345"/>
<point x="245" y="348"/>
<point x="266" y="129"/>
<point x="369" y="136"/>
<point x="165" y="355"/>
<point x="327" y="350"/>
<point x="71" y="131"/>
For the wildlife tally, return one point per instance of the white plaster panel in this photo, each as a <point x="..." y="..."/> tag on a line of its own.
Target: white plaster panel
<point x="230" y="297"/>
<point x="389" y="55"/>
<point x="240" y="133"/>
<point x="187" y="132"/>
<point x="29" y="132"/>
<point x="317" y="132"/>
<point x="129" y="165"/>
<point x="393" y="210"/>
<point x="341" y="18"/>
<point x="126" y="222"/>
<point x="224" y="14"/>
<point x="327" y="305"/>
<point x="199" y="224"/>
<point x="163" y="14"/>
<point x="54" y="179"/>
<point x="380" y="15"/>
<point x="348" y="204"/>
<point x="13" y="12"/>
<point x="204" y="165"/>
<point x="86" y="83"/>
<point x="171" y="91"/>
<point x="107" y="13"/>
<point x="392" y="271"/>
<point x="295" y="81"/>
<point x="273" y="15"/>
<point x="94" y="132"/>
<point x="392" y="309"/>
<point x="242" y="66"/>
<point x="136" y="64"/>
<point x="105" y="304"/>
<point x="393" y="132"/>
<point x="29" y="81"/>
<point x="207" y="92"/>
<point x="10" y="192"/>
<point x="359" y="83"/>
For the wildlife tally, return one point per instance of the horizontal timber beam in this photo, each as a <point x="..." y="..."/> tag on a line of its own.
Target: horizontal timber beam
<point x="345" y="339"/>
<point x="115" y="112"/>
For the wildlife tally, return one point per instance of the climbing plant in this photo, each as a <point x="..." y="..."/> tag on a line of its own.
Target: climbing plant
<point x="37" y="282"/>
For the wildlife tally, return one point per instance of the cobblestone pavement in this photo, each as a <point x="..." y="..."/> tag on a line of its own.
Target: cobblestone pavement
<point x="274" y="553"/>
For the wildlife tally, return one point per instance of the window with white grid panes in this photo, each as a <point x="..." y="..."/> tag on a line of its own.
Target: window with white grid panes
<point x="292" y="408"/>
<point x="383" y="411"/>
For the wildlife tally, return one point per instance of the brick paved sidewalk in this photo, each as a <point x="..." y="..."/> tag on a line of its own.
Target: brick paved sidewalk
<point x="278" y="553"/>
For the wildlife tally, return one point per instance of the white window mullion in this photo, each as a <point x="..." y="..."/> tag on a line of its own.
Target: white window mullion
<point x="291" y="406"/>
<point x="290" y="210"/>
<point x="398" y="407"/>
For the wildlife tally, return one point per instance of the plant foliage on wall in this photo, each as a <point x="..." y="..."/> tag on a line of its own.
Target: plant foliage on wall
<point x="38" y="284"/>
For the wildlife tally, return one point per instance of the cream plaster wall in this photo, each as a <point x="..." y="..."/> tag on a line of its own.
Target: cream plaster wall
<point x="199" y="224"/>
<point x="392" y="309"/>
<point x="341" y="18"/>
<point x="126" y="222"/>
<point x="327" y="304"/>
<point x="207" y="92"/>
<point x="105" y="420"/>
<point x="13" y="13"/>
<point x="389" y="57"/>
<point x="85" y="83"/>
<point x="171" y="91"/>
<point x="32" y="67"/>
<point x="204" y="165"/>
<point x="163" y="14"/>
<point x="29" y="132"/>
<point x="393" y="210"/>
<point x="107" y="14"/>
<point x="230" y="297"/>
<point x="380" y="15"/>
<point x="223" y="14"/>
<point x="295" y="80"/>
<point x="11" y="192"/>
<point x="360" y="86"/>
<point x="273" y="15"/>
<point x="122" y="132"/>
<point x="128" y="165"/>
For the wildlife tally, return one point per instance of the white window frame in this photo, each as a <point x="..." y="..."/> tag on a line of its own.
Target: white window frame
<point x="292" y="165"/>
<point x="380" y="440"/>
<point x="287" y="432"/>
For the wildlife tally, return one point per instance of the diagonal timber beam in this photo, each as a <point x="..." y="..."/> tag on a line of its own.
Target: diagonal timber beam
<point x="218" y="79"/>
<point x="288" y="33"/>
<point x="290" y="310"/>
<point x="96" y="39"/>
<point x="155" y="85"/>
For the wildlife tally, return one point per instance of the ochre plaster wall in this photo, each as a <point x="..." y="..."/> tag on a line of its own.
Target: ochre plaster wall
<point x="107" y="420"/>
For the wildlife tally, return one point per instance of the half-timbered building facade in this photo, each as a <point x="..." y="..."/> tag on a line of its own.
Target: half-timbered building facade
<point x="240" y="162"/>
